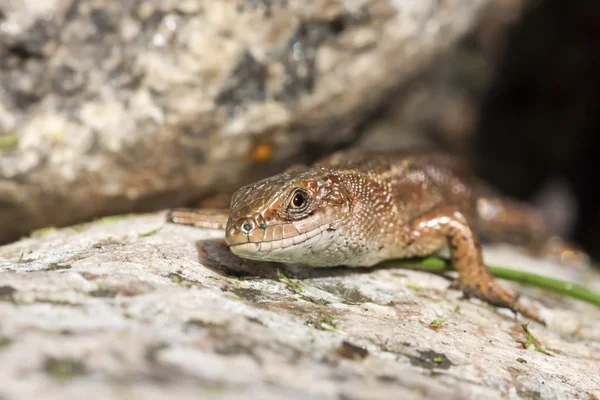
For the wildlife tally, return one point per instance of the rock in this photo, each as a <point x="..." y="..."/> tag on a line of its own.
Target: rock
<point x="132" y="307"/>
<point x="111" y="107"/>
<point x="441" y="105"/>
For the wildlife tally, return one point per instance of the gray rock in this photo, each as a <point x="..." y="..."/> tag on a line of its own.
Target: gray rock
<point x="134" y="308"/>
<point x="135" y="105"/>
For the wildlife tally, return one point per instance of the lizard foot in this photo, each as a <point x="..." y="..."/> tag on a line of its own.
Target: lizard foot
<point x="493" y="293"/>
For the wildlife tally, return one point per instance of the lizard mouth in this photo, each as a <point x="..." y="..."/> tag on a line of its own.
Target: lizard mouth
<point x="245" y="249"/>
<point x="287" y="249"/>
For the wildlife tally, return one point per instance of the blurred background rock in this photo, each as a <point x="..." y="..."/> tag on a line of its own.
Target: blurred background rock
<point x="112" y="107"/>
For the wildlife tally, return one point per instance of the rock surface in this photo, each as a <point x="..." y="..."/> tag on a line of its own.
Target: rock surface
<point x="133" y="308"/>
<point x="107" y="107"/>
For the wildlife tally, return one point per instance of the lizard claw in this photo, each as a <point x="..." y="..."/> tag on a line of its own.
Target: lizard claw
<point x="498" y="296"/>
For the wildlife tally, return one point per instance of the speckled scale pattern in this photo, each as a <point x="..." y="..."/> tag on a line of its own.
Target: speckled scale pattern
<point x="361" y="208"/>
<point x="395" y="188"/>
<point x="361" y="203"/>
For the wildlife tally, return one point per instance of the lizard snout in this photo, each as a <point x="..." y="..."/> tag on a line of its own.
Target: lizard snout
<point x="243" y="236"/>
<point x="243" y="230"/>
<point x="241" y="226"/>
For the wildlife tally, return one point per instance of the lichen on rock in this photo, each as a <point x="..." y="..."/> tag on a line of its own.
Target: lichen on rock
<point x="153" y="310"/>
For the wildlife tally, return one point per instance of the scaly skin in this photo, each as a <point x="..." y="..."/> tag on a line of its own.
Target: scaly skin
<point x="357" y="209"/>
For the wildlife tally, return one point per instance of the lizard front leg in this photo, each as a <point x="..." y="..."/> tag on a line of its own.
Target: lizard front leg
<point x="205" y="218"/>
<point x="473" y="276"/>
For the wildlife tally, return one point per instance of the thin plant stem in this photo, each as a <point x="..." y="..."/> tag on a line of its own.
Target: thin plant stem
<point x="437" y="264"/>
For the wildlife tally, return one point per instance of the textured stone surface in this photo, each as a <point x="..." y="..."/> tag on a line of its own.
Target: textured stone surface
<point x="107" y="107"/>
<point x="131" y="308"/>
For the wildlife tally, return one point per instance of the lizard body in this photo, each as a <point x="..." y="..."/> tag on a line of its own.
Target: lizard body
<point x="356" y="209"/>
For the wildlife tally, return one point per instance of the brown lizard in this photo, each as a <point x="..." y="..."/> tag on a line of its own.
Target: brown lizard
<point x="357" y="209"/>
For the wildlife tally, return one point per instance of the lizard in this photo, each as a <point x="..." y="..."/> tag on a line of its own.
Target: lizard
<point x="358" y="208"/>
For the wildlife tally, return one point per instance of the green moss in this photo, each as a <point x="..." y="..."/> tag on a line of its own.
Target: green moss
<point x="150" y="233"/>
<point x="430" y="359"/>
<point x="57" y="266"/>
<point x="39" y="233"/>
<point x="64" y="368"/>
<point x="79" y="227"/>
<point x="180" y="280"/>
<point x="436" y="323"/>
<point x="294" y="286"/>
<point x="540" y="350"/>
<point x="249" y="294"/>
<point x="316" y="301"/>
<point x="8" y="141"/>
<point x="415" y="288"/>
<point x="103" y="292"/>
<point x="522" y="360"/>
<point x="23" y="260"/>
<point x="65" y="303"/>
<point x="111" y="219"/>
<point x="5" y="342"/>
<point x="106" y="242"/>
<point x="234" y="298"/>
<point x="350" y="295"/>
<point x="531" y="340"/>
<point x="328" y="323"/>
<point x="327" y="327"/>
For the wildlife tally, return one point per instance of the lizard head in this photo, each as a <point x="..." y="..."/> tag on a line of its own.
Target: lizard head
<point x="291" y="217"/>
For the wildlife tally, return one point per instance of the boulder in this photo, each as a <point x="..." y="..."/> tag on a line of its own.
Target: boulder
<point x="135" y="308"/>
<point x="112" y="107"/>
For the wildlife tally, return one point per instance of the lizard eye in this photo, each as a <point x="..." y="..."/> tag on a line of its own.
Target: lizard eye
<point x="299" y="200"/>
